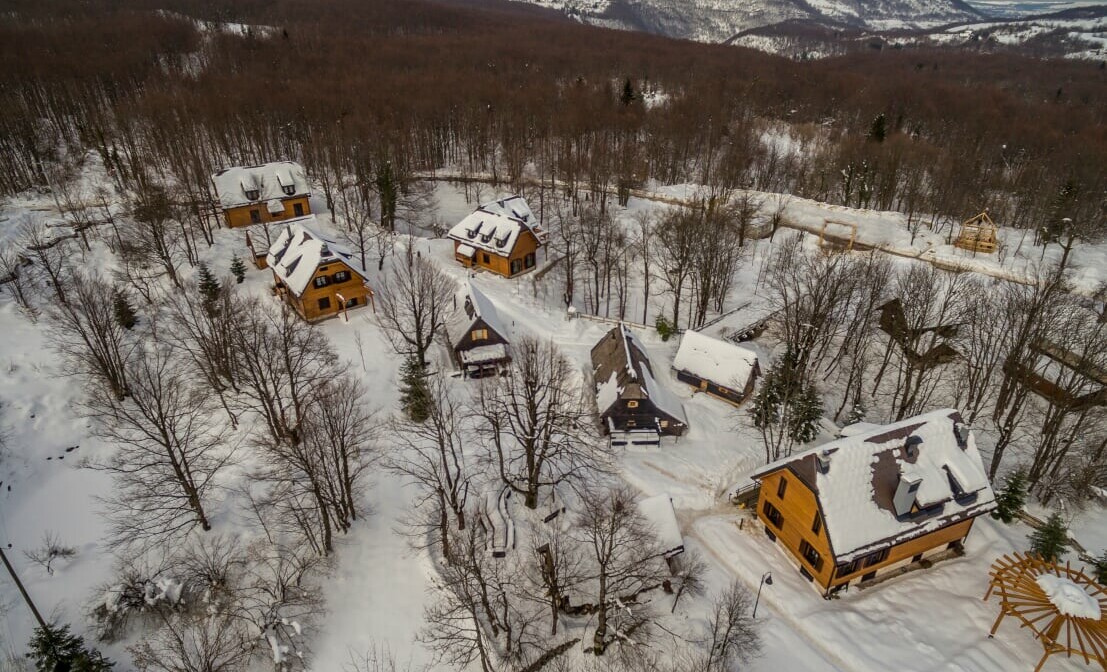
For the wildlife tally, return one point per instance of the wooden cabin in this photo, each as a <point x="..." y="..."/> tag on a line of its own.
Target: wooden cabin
<point x="478" y="336"/>
<point x="717" y="367"/>
<point x="628" y="396"/>
<point x="658" y="511"/>
<point x="876" y="502"/>
<point x="503" y="236"/>
<point x="978" y="234"/>
<point x="314" y="273"/>
<point x="260" y="237"/>
<point x="271" y="192"/>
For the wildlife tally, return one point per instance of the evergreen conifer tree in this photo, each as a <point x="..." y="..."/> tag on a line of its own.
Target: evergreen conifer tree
<point x="238" y="269"/>
<point x="414" y="395"/>
<point x="856" y="414"/>
<point x="124" y="312"/>
<point x="1011" y="498"/>
<point x="665" y="328"/>
<point x="55" y="648"/>
<point x="209" y="286"/>
<point x="1101" y="569"/>
<point x="879" y="129"/>
<point x="807" y="409"/>
<point x="628" y="95"/>
<point x="1051" y="541"/>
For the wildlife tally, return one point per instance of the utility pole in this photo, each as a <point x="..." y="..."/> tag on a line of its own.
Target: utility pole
<point x="22" y="590"/>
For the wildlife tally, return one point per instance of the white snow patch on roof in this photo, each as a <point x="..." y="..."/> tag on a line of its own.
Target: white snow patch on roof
<point x="720" y="362"/>
<point x="484" y="353"/>
<point x="1069" y="598"/>
<point x="300" y="249"/>
<point x="272" y="181"/>
<point x="495" y="227"/>
<point x="661" y="396"/>
<point x="953" y="480"/>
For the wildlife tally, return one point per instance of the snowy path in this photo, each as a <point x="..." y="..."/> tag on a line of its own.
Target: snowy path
<point x="885" y="231"/>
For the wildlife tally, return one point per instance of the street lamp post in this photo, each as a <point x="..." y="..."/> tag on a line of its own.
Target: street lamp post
<point x="766" y="580"/>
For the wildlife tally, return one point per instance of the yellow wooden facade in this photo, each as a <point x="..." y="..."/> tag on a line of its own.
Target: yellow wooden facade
<point x="316" y="303"/>
<point x="527" y="244"/>
<point x="799" y="509"/>
<point x="258" y="213"/>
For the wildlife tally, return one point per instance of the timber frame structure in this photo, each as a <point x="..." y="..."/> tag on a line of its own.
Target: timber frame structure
<point x="978" y="234"/>
<point x="1015" y="579"/>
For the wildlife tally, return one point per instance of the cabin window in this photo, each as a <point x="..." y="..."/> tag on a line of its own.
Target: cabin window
<point x="773" y="515"/>
<point x="875" y="558"/>
<point x="252" y="194"/>
<point x="289" y="189"/>
<point x="632" y="404"/>
<point x="817" y="524"/>
<point x="781" y="487"/>
<point x="321" y="281"/>
<point x="325" y="303"/>
<point x="255" y="216"/>
<point x="847" y="568"/>
<point x="663" y="424"/>
<point x="479" y="335"/>
<point x="516" y="266"/>
<point x="298" y="209"/>
<point x="341" y="276"/>
<point x="811" y="556"/>
<point x="632" y="423"/>
<point x="484" y="258"/>
<point x="350" y="303"/>
<point x="528" y="261"/>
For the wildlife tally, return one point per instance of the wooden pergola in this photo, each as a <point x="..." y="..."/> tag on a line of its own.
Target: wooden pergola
<point x="1059" y="626"/>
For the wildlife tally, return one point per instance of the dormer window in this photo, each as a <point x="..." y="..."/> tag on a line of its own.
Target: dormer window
<point x="288" y="189"/>
<point x="252" y="194"/>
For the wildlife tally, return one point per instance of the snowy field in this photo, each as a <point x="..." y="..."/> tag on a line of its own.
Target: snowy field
<point x="375" y="594"/>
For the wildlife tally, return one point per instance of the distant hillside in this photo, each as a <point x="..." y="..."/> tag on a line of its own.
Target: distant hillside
<point x="720" y="20"/>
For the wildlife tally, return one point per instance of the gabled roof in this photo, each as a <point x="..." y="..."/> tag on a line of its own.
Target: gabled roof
<point x="720" y="362"/>
<point x="475" y="305"/>
<point x="622" y="370"/>
<point x="272" y="181"/>
<point x="300" y="249"/>
<point x="857" y="480"/>
<point x="495" y="227"/>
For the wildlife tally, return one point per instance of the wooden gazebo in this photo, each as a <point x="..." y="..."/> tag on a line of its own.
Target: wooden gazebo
<point x="978" y="234"/>
<point x="1062" y="606"/>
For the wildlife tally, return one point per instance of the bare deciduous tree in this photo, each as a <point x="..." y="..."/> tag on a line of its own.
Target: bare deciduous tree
<point x="169" y="452"/>
<point x="433" y="453"/>
<point x="534" y="422"/>
<point x="414" y="303"/>
<point x="625" y="561"/>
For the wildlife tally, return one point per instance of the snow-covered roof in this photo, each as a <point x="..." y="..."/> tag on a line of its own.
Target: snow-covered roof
<point x="622" y="370"/>
<point x="720" y="362"/>
<point x="893" y="483"/>
<point x="495" y="227"/>
<point x="658" y="511"/>
<point x="300" y="249"/>
<point x="271" y="182"/>
<point x="474" y="305"/>
<point x="1069" y="598"/>
<point x="482" y="354"/>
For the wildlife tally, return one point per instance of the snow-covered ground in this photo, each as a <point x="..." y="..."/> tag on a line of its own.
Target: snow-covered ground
<point x="924" y="621"/>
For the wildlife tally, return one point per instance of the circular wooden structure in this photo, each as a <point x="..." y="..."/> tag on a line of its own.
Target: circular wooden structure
<point x="1062" y="606"/>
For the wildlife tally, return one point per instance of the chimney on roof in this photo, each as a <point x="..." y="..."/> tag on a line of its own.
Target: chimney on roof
<point x="911" y="446"/>
<point x="822" y="458"/>
<point x="906" y="491"/>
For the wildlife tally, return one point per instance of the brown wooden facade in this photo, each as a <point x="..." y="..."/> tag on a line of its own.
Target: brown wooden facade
<point x="523" y="257"/>
<point x="792" y="517"/>
<point x="721" y="391"/>
<point x="334" y="288"/>
<point x="258" y="213"/>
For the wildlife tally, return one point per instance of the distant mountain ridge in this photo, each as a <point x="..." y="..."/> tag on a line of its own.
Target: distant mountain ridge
<point x="721" y="20"/>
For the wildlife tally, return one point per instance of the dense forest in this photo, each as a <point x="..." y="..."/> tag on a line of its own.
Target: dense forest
<point x="168" y="90"/>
